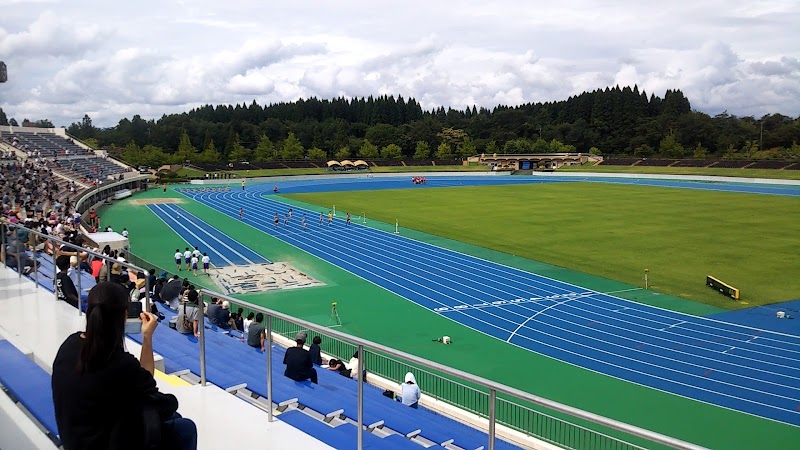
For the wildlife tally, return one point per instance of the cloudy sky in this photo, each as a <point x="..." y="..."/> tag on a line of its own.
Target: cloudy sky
<point x="114" y="59"/>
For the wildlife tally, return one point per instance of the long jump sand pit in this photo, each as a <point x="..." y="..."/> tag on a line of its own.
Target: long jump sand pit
<point x="155" y="201"/>
<point x="261" y="278"/>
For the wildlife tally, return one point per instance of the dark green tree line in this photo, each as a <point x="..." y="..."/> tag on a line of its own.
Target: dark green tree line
<point x="610" y="121"/>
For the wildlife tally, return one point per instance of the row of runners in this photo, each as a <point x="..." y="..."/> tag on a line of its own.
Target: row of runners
<point x="289" y="215"/>
<point x="192" y="258"/>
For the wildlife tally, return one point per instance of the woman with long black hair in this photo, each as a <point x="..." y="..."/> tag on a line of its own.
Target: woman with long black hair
<point x="104" y="398"/>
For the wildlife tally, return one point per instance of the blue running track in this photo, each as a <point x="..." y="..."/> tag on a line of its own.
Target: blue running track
<point x="222" y="249"/>
<point x="733" y="366"/>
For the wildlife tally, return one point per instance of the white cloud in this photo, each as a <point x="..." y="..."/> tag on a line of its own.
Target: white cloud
<point x="154" y="57"/>
<point x="52" y="35"/>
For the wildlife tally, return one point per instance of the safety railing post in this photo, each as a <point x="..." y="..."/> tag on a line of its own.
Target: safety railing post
<point x="19" y="261"/>
<point x="269" y="367"/>
<point x="360" y="368"/>
<point x="78" y="287"/>
<point x="492" y="417"/>
<point x="35" y="268"/>
<point x="55" y="272"/>
<point x="201" y="324"/>
<point x="3" y="255"/>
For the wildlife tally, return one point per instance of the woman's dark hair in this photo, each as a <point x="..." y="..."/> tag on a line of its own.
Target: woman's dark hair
<point x="105" y="325"/>
<point x="250" y="316"/>
<point x="317" y="340"/>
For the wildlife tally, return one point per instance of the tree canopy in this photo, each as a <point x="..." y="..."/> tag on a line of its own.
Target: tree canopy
<point x="610" y="121"/>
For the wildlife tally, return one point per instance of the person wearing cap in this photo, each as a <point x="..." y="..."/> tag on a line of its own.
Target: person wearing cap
<point x="298" y="361"/>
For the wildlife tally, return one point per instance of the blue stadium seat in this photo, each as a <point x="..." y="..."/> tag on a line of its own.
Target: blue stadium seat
<point x="30" y="385"/>
<point x="231" y="363"/>
<point x="344" y="436"/>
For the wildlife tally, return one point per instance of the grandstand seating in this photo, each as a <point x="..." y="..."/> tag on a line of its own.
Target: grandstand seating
<point x="344" y="435"/>
<point x="28" y="384"/>
<point x="694" y="163"/>
<point x="49" y="144"/>
<point x="446" y="162"/>
<point x="95" y="167"/>
<point x="732" y="163"/>
<point x="657" y="162"/>
<point x="231" y="364"/>
<point x="769" y="164"/>
<point x="387" y="163"/>
<point x="619" y="161"/>
<point x="417" y="162"/>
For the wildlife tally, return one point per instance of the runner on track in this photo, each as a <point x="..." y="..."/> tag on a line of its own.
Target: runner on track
<point x="178" y="258"/>
<point x="187" y="256"/>
<point x="206" y="263"/>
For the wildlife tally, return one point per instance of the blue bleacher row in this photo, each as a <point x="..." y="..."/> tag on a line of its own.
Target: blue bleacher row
<point x="79" y="163"/>
<point x="232" y="364"/>
<point x="29" y="385"/>
<point x="46" y="271"/>
<point x="50" y="145"/>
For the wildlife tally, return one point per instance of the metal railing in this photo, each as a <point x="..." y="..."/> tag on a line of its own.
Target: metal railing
<point x="486" y="391"/>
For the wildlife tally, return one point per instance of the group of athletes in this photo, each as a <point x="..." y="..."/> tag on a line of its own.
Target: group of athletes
<point x="192" y="258"/>
<point x="289" y="215"/>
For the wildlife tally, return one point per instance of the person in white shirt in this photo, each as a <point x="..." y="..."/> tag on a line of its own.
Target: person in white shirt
<point x="196" y="253"/>
<point x="194" y="264"/>
<point x="409" y="391"/>
<point x="187" y="258"/>
<point x="124" y="232"/>
<point x="178" y="261"/>
<point x="247" y="321"/>
<point x="206" y="263"/>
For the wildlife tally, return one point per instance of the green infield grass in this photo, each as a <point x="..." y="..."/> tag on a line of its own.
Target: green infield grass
<point x="711" y="171"/>
<point x="613" y="231"/>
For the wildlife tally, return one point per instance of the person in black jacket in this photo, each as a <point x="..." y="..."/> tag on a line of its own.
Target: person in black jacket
<point x="315" y="351"/>
<point x="104" y="398"/>
<point x="298" y="361"/>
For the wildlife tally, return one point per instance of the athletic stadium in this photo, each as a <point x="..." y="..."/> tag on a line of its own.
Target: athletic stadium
<point x="540" y="310"/>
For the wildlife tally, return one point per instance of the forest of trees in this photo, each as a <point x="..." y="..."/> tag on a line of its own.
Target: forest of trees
<point x="611" y="121"/>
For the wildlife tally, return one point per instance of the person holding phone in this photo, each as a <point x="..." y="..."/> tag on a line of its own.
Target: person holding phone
<point x="104" y="398"/>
